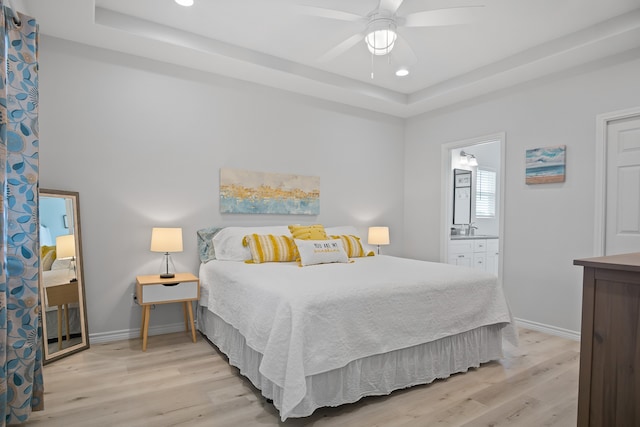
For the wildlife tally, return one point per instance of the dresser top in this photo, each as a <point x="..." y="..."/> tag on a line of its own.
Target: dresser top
<point x="628" y="262"/>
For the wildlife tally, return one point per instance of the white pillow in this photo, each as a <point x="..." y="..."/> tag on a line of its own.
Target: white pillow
<point x="320" y="251"/>
<point x="350" y="230"/>
<point x="59" y="264"/>
<point x="227" y="243"/>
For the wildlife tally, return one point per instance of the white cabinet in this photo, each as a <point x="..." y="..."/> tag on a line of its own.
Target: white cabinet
<point x="481" y="254"/>
<point x="493" y="254"/>
<point x="461" y="252"/>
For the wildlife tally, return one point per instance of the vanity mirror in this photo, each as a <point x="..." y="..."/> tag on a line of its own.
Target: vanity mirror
<point x="64" y="320"/>
<point x="461" y="197"/>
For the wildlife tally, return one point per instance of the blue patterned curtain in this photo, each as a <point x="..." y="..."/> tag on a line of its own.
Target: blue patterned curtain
<point x="21" y="389"/>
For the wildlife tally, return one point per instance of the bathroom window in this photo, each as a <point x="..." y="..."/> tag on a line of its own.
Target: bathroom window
<point x="485" y="193"/>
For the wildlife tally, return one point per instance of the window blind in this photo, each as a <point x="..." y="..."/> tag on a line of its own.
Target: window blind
<point x="485" y="193"/>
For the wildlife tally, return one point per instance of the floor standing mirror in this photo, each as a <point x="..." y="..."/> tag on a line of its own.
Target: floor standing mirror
<point x="64" y="320"/>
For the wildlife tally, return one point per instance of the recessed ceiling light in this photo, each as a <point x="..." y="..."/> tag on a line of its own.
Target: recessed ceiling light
<point x="184" y="2"/>
<point x="402" y="72"/>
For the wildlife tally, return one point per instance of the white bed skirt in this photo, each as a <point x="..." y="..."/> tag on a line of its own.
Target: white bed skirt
<point x="375" y="375"/>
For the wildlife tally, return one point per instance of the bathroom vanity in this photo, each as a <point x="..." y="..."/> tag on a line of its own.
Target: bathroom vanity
<point x="478" y="251"/>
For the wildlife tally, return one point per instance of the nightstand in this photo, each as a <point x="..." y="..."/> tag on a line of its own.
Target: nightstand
<point x="152" y="289"/>
<point x="61" y="296"/>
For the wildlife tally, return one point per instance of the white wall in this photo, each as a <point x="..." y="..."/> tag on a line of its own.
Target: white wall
<point x="546" y="226"/>
<point x="143" y="143"/>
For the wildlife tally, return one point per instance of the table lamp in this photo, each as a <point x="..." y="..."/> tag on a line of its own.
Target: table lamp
<point x="378" y="236"/>
<point x="65" y="249"/>
<point x="166" y="240"/>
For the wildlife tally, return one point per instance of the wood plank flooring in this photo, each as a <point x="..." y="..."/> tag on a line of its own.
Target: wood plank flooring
<point x="179" y="383"/>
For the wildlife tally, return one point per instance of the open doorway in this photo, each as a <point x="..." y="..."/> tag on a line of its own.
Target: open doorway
<point x="476" y="239"/>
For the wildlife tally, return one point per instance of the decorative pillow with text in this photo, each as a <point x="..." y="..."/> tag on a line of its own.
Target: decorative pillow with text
<point x="320" y="252"/>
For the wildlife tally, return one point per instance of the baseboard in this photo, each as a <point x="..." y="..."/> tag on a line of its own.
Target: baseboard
<point x="548" y="329"/>
<point x="128" y="334"/>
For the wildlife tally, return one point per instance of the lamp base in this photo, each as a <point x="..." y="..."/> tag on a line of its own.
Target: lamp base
<point x="167" y="275"/>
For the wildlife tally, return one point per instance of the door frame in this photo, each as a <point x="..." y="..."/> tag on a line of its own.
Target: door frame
<point x="446" y="198"/>
<point x="600" y="217"/>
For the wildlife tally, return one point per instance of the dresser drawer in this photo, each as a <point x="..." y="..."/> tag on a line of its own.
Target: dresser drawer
<point x="159" y="293"/>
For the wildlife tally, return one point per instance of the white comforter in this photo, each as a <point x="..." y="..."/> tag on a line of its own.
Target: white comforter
<point x="308" y="320"/>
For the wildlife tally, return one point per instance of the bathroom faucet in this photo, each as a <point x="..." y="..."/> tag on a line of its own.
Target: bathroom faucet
<point x="471" y="228"/>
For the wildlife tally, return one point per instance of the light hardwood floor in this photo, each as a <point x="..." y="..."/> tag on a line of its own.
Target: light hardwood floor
<point x="177" y="382"/>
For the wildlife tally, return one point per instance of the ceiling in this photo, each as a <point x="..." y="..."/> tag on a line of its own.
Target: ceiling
<point x="273" y="42"/>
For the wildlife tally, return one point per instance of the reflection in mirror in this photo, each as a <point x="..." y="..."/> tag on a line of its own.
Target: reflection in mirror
<point x="64" y="322"/>
<point x="461" y="196"/>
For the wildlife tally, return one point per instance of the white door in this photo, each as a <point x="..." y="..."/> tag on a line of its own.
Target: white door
<point x="622" y="229"/>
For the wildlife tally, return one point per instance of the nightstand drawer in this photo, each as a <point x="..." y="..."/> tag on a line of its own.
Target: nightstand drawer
<point x="161" y="293"/>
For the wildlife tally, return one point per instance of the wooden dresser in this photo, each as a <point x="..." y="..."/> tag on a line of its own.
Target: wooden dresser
<point x="609" y="389"/>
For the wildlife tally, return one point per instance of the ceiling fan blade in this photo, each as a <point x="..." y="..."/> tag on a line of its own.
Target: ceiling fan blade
<point x="342" y="47"/>
<point x="441" y="17"/>
<point x="390" y="5"/>
<point x="328" y="13"/>
<point x="402" y="53"/>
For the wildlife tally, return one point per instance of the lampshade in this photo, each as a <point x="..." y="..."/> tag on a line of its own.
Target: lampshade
<point x="166" y="239"/>
<point x="378" y="236"/>
<point x="65" y="246"/>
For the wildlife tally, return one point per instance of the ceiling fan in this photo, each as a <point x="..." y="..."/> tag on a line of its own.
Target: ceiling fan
<point x="379" y="28"/>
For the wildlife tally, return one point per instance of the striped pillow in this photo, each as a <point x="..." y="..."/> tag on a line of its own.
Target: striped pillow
<point x="352" y="245"/>
<point x="270" y="248"/>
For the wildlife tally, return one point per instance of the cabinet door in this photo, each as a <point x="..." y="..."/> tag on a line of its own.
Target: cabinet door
<point x="461" y="252"/>
<point x="460" y="259"/>
<point x="493" y="255"/>
<point x="479" y="261"/>
<point x="492" y="262"/>
<point x="480" y="245"/>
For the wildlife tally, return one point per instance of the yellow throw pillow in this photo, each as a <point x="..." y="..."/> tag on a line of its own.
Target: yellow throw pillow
<point x="352" y="245"/>
<point x="48" y="258"/>
<point x="46" y="249"/>
<point x="270" y="248"/>
<point x="308" y="232"/>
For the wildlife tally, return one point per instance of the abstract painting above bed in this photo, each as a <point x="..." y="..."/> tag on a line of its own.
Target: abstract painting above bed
<point x="249" y="192"/>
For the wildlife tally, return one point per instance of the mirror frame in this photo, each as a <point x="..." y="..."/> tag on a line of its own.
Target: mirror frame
<point x="82" y="306"/>
<point x="462" y="186"/>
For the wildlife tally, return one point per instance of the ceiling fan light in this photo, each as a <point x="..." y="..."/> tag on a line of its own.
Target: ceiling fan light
<point x="380" y="42"/>
<point x="185" y="3"/>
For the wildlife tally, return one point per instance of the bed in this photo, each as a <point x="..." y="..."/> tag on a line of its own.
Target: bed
<point x="327" y="334"/>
